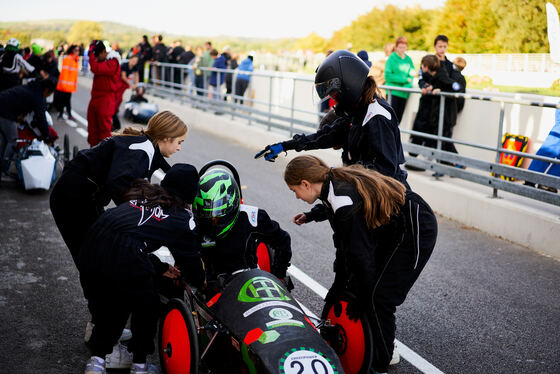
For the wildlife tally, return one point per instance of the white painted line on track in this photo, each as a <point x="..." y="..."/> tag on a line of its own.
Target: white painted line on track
<point x="308" y="281"/>
<point x="406" y="353"/>
<point x="71" y="123"/>
<point x="415" y="359"/>
<point x="79" y="118"/>
<point x="82" y="132"/>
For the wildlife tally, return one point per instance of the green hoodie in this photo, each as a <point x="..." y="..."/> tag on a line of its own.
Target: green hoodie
<point x="398" y="72"/>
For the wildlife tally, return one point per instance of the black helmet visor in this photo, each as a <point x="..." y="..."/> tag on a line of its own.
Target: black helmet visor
<point x="325" y="88"/>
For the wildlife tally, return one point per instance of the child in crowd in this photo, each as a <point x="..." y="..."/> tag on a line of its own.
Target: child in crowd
<point x="459" y="63"/>
<point x="435" y="79"/>
<point x="429" y="66"/>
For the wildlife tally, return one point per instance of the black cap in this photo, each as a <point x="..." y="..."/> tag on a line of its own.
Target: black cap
<point x="182" y="181"/>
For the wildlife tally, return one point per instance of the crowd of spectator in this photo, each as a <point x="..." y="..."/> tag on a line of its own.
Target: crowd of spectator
<point x="436" y="74"/>
<point x="201" y="59"/>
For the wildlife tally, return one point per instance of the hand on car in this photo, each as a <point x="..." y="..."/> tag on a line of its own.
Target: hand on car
<point x="172" y="272"/>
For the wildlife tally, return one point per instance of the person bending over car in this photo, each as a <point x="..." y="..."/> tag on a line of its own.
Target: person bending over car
<point x="384" y="235"/>
<point x="229" y="231"/>
<point x="118" y="272"/>
<point x="15" y="103"/>
<point x="367" y="128"/>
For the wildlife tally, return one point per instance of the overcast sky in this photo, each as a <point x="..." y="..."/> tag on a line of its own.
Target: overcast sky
<point x="250" y="18"/>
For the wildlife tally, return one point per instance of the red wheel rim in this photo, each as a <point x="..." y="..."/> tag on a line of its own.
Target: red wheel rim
<point x="353" y="357"/>
<point x="175" y="344"/>
<point x="263" y="257"/>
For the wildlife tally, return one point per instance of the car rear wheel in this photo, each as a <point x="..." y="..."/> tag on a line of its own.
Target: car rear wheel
<point x="178" y="340"/>
<point x="351" y="340"/>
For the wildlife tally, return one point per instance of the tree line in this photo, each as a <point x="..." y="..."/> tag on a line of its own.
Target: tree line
<point x="473" y="26"/>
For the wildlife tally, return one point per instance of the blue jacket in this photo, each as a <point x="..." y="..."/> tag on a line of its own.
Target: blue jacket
<point x="220" y="63"/>
<point x="246" y="65"/>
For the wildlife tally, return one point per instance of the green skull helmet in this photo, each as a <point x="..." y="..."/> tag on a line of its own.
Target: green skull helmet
<point x="216" y="205"/>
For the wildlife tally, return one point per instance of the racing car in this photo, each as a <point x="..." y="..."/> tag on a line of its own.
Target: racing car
<point x="253" y="324"/>
<point x="36" y="163"/>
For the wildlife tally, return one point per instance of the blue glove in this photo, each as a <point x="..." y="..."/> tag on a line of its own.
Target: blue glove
<point x="270" y="152"/>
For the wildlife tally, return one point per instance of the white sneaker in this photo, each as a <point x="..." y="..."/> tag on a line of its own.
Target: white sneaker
<point x="396" y="356"/>
<point x="144" y="369"/>
<point x="125" y="336"/>
<point x="120" y="358"/>
<point x="95" y="365"/>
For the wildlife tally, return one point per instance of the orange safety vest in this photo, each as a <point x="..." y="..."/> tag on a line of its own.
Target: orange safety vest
<point x="68" y="79"/>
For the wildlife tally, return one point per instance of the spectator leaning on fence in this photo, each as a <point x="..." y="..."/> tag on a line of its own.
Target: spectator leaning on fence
<point x="243" y="77"/>
<point x="206" y="62"/>
<point x="145" y="56"/>
<point x="217" y="78"/>
<point x="399" y="72"/>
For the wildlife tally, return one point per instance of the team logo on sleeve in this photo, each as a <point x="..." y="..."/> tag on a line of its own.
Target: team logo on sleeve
<point x="146" y="213"/>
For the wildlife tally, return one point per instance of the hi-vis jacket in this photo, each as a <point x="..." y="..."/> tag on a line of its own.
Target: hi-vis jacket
<point x="68" y="79"/>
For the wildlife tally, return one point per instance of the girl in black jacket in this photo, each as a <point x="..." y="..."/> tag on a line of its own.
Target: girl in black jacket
<point x="368" y="130"/>
<point x="103" y="173"/>
<point x="383" y="233"/>
<point x="117" y="271"/>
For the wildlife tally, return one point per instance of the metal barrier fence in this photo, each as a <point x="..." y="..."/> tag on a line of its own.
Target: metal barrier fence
<point x="177" y="81"/>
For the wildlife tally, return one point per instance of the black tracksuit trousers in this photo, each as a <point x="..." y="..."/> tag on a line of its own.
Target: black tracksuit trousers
<point x="74" y="209"/>
<point x="398" y="271"/>
<point x="110" y="306"/>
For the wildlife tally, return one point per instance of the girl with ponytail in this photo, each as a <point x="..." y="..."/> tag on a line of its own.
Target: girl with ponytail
<point x="103" y="173"/>
<point x="384" y="235"/>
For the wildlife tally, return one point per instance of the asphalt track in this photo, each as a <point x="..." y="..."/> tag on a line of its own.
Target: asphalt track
<point x="482" y="305"/>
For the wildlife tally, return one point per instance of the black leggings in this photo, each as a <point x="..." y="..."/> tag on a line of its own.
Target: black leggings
<point x="63" y="100"/>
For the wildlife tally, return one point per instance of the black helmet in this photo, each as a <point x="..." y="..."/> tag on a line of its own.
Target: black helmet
<point x="344" y="74"/>
<point x="216" y="205"/>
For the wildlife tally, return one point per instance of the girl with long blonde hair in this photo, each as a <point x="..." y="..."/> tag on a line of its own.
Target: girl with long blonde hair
<point x="384" y="235"/>
<point x="103" y="173"/>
